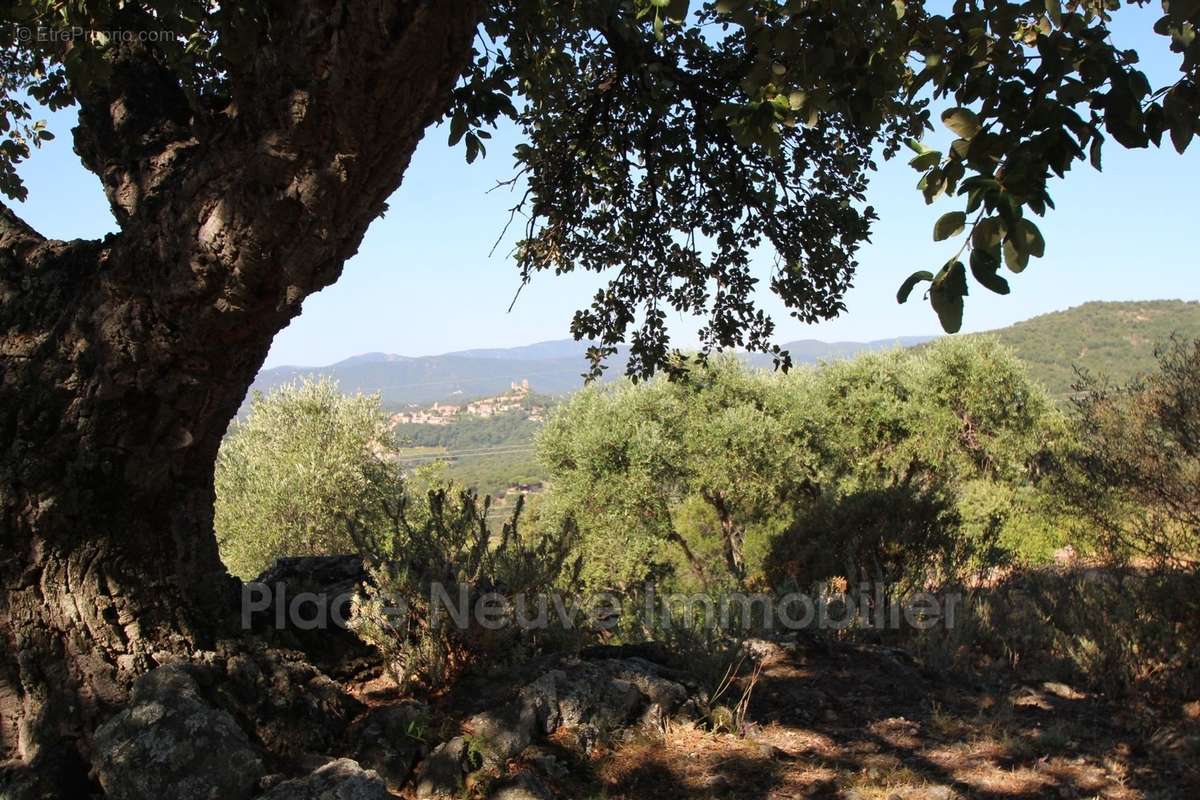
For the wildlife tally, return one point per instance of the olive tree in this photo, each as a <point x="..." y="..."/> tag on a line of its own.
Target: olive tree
<point x="625" y="461"/>
<point x="308" y="472"/>
<point x="929" y="465"/>
<point x="1135" y="469"/>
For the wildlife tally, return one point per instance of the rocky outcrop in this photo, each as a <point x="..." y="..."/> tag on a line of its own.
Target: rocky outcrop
<point x="211" y="726"/>
<point x="387" y="740"/>
<point x="343" y="779"/>
<point x="170" y="743"/>
<point x="593" y="698"/>
<point x="323" y="587"/>
<point x="522" y="786"/>
<point x="441" y="774"/>
<point x="293" y="709"/>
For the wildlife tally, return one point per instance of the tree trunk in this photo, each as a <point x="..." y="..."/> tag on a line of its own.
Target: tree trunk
<point x="124" y="360"/>
<point x="732" y="536"/>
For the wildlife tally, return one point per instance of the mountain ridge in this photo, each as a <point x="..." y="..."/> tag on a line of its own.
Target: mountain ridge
<point x="552" y="367"/>
<point x="1113" y="339"/>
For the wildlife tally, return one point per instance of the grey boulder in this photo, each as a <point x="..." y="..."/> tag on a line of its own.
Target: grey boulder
<point x="342" y="779"/>
<point x="169" y="743"/>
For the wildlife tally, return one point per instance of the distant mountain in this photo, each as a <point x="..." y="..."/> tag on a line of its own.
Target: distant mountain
<point x="371" y="358"/>
<point x="558" y="348"/>
<point x="554" y="367"/>
<point x="432" y="378"/>
<point x="1114" y="340"/>
<point x="811" y="351"/>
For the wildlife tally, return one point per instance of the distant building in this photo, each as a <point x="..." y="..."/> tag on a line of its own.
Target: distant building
<point x="444" y="413"/>
<point x="511" y="400"/>
<point x="437" y="414"/>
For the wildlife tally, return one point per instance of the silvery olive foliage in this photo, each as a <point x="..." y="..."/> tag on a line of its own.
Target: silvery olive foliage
<point x="306" y="472"/>
<point x="909" y="464"/>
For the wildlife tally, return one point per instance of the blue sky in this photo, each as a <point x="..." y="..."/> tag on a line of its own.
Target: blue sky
<point x="423" y="282"/>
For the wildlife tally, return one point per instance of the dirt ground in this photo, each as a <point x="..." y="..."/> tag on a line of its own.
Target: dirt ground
<point x="861" y="723"/>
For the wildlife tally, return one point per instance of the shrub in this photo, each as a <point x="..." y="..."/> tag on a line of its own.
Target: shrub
<point x="306" y="473"/>
<point x="892" y="535"/>
<point x="1120" y="630"/>
<point x="628" y="460"/>
<point x="440" y="538"/>
<point x="929" y="467"/>
<point x="1135" y="471"/>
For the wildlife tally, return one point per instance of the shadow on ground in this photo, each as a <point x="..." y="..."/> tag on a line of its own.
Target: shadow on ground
<point x="860" y="723"/>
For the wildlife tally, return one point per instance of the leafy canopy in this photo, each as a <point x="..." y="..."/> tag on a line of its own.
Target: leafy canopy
<point x="307" y="472"/>
<point x="671" y="141"/>
<point x="922" y="459"/>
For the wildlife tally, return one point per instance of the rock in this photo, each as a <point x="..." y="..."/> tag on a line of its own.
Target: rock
<point x="504" y="731"/>
<point x="343" y="779"/>
<point x="441" y="774"/>
<point x="542" y="696"/>
<point x="170" y="743"/>
<point x="510" y="728"/>
<point x="295" y="708"/>
<point x="383" y="741"/>
<point x="546" y="762"/>
<point x="588" y="696"/>
<point x="765" y="650"/>
<point x="303" y="603"/>
<point x="608" y="693"/>
<point x="522" y="786"/>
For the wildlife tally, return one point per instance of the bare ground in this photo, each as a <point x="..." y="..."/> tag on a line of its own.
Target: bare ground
<point x="860" y="723"/>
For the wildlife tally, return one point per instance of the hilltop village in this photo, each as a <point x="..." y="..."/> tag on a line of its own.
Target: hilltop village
<point x="517" y="398"/>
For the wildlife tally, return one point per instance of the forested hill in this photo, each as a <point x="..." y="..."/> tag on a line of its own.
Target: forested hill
<point x="1114" y="340"/>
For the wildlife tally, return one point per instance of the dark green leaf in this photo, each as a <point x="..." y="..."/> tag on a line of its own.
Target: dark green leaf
<point x="1029" y="239"/>
<point x="984" y="267"/>
<point x="910" y="282"/>
<point x="1014" y="259"/>
<point x="949" y="225"/>
<point x="987" y="234"/>
<point x="946" y="296"/>
<point x="1181" y="131"/>
<point x="458" y="128"/>
<point x="926" y="160"/>
<point x="962" y="121"/>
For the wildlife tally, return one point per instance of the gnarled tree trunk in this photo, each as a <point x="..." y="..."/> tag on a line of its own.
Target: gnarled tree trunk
<point x="125" y="359"/>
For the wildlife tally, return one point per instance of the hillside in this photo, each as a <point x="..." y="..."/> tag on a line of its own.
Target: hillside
<point x="1113" y="340"/>
<point x="402" y="380"/>
<point x="554" y="367"/>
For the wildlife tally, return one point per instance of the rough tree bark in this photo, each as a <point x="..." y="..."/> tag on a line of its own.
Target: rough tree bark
<point x="125" y="359"/>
